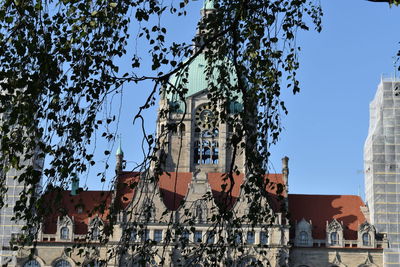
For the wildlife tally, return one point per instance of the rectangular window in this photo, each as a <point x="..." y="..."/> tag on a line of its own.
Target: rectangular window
<point x="145" y="235"/>
<point x="210" y="237"/>
<point x="185" y="236"/>
<point x="158" y="235"/>
<point x="198" y="236"/>
<point x="263" y="238"/>
<point x="250" y="238"/>
<point x="238" y="238"/>
<point x="133" y="235"/>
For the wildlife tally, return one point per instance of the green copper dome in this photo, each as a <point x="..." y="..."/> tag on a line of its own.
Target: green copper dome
<point x="208" y="4"/>
<point x="119" y="150"/>
<point x="196" y="79"/>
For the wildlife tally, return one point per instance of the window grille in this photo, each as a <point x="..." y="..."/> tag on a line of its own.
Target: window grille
<point x="206" y="148"/>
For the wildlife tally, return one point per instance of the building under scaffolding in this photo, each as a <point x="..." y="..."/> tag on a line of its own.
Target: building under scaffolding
<point x="382" y="165"/>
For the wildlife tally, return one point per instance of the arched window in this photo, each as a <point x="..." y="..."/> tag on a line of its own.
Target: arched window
<point x="215" y="152"/>
<point x="235" y="107"/>
<point x="205" y="152"/>
<point x="303" y="238"/>
<point x="366" y="238"/>
<point x="334" y="238"/>
<point x="199" y="214"/>
<point x="32" y="263"/>
<point x="62" y="263"/>
<point x="206" y="148"/>
<point x="64" y="233"/>
<point x="95" y="233"/>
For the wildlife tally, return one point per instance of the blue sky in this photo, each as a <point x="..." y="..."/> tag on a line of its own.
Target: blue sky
<point x="328" y="121"/>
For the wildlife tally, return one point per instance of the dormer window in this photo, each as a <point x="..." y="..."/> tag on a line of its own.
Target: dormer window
<point x="303" y="238"/>
<point x="366" y="239"/>
<point x="334" y="239"/>
<point x="303" y="232"/>
<point x="334" y="233"/>
<point x="64" y="233"/>
<point x="366" y="235"/>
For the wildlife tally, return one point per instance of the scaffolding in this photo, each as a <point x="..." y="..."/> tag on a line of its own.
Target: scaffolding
<point x="382" y="166"/>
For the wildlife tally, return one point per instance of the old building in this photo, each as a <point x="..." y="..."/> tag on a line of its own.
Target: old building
<point x="170" y="223"/>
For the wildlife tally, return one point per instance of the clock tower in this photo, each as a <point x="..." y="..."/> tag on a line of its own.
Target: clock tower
<point x="192" y="136"/>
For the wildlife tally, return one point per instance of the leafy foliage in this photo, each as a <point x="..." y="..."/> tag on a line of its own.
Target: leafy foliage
<point x="58" y="71"/>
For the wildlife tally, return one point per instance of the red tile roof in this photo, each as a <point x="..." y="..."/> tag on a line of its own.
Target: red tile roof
<point x="173" y="188"/>
<point x="220" y="183"/>
<point x="127" y="182"/>
<point x="93" y="204"/>
<point x="322" y="208"/>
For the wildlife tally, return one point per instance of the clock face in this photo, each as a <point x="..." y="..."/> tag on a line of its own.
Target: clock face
<point x="205" y="117"/>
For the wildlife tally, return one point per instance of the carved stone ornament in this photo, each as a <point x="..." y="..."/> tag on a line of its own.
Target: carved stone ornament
<point x="369" y="261"/>
<point x="335" y="226"/>
<point x="337" y="261"/>
<point x="65" y="221"/>
<point x="23" y="252"/>
<point x="367" y="227"/>
<point x="65" y="254"/>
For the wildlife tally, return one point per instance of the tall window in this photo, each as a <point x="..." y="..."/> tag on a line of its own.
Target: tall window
<point x="158" y="235"/>
<point x="250" y="238"/>
<point x="32" y="263"/>
<point x="95" y="233"/>
<point x="198" y="236"/>
<point x="263" y="238"/>
<point x="206" y="147"/>
<point x="303" y="238"/>
<point x="185" y="236"/>
<point x="64" y="233"/>
<point x="199" y="214"/>
<point x="366" y="238"/>
<point x="145" y="235"/>
<point x="62" y="263"/>
<point x="210" y="237"/>
<point x="238" y="238"/>
<point x="334" y="238"/>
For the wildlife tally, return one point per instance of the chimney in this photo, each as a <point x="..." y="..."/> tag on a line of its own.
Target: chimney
<point x="74" y="184"/>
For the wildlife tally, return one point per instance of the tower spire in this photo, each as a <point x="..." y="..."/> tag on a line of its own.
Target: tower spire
<point x="208" y="7"/>
<point x="119" y="154"/>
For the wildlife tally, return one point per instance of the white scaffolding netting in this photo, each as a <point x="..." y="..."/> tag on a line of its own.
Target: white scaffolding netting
<point x="382" y="166"/>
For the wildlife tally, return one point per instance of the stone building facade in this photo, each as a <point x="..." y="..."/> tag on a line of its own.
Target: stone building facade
<point x="313" y="230"/>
